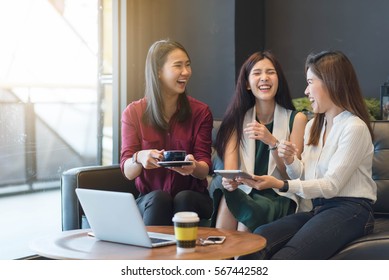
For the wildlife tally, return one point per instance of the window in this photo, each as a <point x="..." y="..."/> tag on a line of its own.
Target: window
<point x="55" y="108"/>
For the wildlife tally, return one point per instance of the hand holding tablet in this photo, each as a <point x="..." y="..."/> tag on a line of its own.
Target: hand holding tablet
<point x="233" y="174"/>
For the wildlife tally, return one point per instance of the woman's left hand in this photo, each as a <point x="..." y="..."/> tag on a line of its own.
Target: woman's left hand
<point x="258" y="131"/>
<point x="186" y="170"/>
<point x="287" y="151"/>
<point x="262" y="182"/>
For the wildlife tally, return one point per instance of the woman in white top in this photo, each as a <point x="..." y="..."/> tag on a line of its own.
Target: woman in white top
<point x="335" y="170"/>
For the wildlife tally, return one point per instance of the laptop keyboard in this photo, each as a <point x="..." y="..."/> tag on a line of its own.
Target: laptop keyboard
<point x="157" y="240"/>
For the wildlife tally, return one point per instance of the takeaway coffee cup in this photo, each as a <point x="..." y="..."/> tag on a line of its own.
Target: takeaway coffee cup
<point x="174" y="155"/>
<point x="185" y="231"/>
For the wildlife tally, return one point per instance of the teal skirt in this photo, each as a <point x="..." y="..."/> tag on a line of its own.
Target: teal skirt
<point x="254" y="209"/>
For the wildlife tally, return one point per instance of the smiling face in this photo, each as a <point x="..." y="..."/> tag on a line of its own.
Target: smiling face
<point x="318" y="94"/>
<point x="175" y="73"/>
<point x="263" y="80"/>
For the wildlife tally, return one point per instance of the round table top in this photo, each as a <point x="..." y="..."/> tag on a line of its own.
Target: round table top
<point x="77" y="244"/>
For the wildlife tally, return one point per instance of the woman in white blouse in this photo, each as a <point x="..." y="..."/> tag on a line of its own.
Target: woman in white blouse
<point x="335" y="169"/>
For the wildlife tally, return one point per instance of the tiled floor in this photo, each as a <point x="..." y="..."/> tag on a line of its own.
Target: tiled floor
<point x="25" y="217"/>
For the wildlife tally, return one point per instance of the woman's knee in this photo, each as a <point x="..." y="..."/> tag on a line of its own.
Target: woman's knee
<point x="193" y="201"/>
<point x="158" y="208"/>
<point x="160" y="197"/>
<point x="184" y="201"/>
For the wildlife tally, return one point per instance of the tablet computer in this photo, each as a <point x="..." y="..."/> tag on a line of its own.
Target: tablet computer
<point x="232" y="174"/>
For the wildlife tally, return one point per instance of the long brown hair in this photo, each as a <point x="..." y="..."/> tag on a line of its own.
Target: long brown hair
<point x="337" y="73"/>
<point x="155" y="60"/>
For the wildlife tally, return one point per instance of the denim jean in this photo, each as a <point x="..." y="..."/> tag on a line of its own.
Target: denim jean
<point x="317" y="234"/>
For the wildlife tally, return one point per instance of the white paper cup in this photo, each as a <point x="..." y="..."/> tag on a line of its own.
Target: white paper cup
<point x="185" y="230"/>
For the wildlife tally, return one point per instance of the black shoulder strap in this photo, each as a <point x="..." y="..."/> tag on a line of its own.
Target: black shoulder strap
<point x="291" y="120"/>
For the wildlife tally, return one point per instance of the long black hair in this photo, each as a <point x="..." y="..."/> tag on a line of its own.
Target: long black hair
<point x="244" y="99"/>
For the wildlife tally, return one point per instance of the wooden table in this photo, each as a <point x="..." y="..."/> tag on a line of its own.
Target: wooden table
<point x="76" y="244"/>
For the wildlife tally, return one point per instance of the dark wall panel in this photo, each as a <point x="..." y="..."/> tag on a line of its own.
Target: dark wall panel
<point x="359" y="28"/>
<point x="249" y="29"/>
<point x="204" y="27"/>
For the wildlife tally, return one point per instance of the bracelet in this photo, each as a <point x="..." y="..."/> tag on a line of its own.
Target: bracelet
<point x="134" y="158"/>
<point x="275" y="146"/>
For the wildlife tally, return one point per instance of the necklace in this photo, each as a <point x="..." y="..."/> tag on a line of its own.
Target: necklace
<point x="269" y="120"/>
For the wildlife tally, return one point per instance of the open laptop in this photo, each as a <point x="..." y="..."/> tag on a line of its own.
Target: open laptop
<point x="115" y="217"/>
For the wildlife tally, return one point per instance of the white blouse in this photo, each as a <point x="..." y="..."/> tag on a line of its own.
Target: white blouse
<point x="340" y="168"/>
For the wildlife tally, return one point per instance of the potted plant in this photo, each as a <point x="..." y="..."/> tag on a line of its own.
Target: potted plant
<point x="373" y="105"/>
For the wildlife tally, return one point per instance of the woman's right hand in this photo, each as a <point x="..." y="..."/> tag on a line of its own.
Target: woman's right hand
<point x="150" y="158"/>
<point x="230" y="184"/>
<point x="286" y="151"/>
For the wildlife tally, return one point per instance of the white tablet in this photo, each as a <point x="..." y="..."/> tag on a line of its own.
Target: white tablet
<point x="232" y="174"/>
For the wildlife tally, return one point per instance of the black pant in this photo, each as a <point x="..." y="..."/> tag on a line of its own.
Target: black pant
<point x="158" y="207"/>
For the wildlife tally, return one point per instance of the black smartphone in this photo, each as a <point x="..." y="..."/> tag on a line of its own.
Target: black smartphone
<point x="216" y="239"/>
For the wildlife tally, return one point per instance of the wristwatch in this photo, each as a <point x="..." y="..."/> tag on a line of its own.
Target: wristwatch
<point x="285" y="187"/>
<point x="275" y="146"/>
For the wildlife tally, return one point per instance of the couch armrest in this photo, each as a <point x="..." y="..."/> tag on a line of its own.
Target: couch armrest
<point x="108" y="178"/>
<point x="374" y="246"/>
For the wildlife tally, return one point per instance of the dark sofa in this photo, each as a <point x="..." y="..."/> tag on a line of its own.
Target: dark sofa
<point x="373" y="246"/>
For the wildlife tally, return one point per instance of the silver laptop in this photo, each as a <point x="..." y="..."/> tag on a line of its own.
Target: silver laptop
<point x="115" y="217"/>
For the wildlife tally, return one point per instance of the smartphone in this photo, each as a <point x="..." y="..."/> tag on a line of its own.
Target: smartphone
<point x="232" y="174"/>
<point x="215" y="239"/>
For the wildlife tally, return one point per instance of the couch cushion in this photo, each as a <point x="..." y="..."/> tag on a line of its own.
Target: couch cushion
<point x="381" y="166"/>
